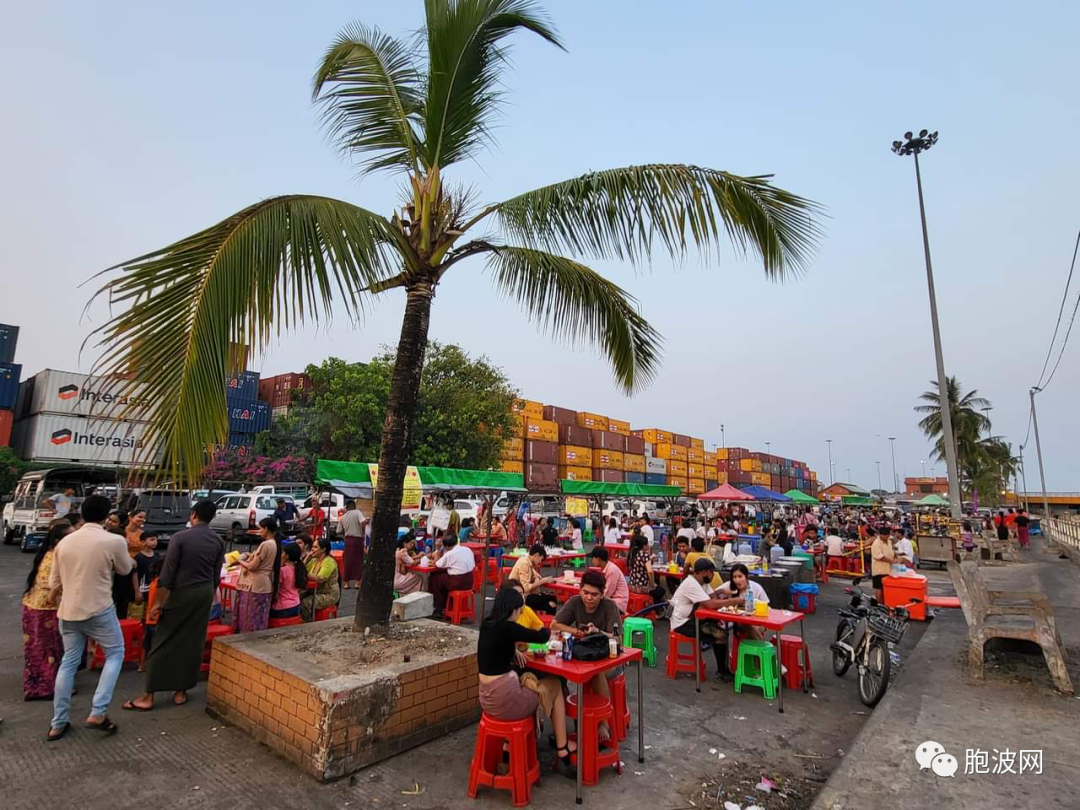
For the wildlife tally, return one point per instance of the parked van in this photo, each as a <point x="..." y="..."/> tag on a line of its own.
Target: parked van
<point x="28" y="512"/>
<point x="167" y="511"/>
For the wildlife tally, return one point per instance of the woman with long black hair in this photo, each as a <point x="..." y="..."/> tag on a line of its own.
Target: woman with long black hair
<point x="504" y="693"/>
<point x="291" y="579"/>
<point x="43" y="647"/>
<point x="639" y="564"/>
<point x="258" y="579"/>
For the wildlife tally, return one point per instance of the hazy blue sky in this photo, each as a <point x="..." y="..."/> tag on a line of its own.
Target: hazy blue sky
<point x="127" y="126"/>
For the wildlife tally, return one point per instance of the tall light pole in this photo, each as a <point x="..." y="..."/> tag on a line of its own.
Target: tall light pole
<point x="1038" y="451"/>
<point x="849" y="475"/>
<point x="923" y="462"/>
<point x="892" y="449"/>
<point x="767" y="444"/>
<point x="723" y="441"/>
<point x="832" y="477"/>
<point x="878" y="474"/>
<point x="912" y="145"/>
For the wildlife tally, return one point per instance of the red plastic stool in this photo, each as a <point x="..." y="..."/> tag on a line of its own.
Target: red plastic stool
<point x="546" y="618"/>
<point x="494" y="574"/>
<point x="291" y="620"/>
<point x="679" y="661"/>
<point x="794" y="655"/>
<point x="460" y="606"/>
<point x="524" y="765"/>
<point x="477" y="578"/>
<point x="326" y="613"/>
<point x="804" y="602"/>
<point x="618" y="704"/>
<point x="733" y="653"/>
<point x="132" y="631"/>
<point x="212" y="632"/>
<point x="620" y="563"/>
<point x="638" y="602"/>
<point x="589" y="757"/>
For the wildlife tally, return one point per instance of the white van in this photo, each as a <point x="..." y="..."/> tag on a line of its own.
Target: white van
<point x="28" y="511"/>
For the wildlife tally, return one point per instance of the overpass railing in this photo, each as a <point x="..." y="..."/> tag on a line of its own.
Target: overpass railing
<point x="1063" y="531"/>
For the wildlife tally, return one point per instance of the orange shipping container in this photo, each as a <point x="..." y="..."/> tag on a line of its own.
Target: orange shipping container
<point x="677" y="481"/>
<point x="575" y="473"/>
<point x="757" y="464"/>
<point x="721" y="477"/>
<point x="592" y="421"/>
<point x="760" y="479"/>
<point x="655" y="435"/>
<point x="676" y="467"/>
<point x="710" y="459"/>
<point x="633" y="463"/>
<point x="618" y="426"/>
<point x="573" y="456"/>
<point x="607" y="460"/>
<point x="746" y="464"/>
<point x="695" y="486"/>
<point x="695" y="470"/>
<point x="695" y="454"/>
<point x="541" y="430"/>
<point x="722" y="454"/>
<point x="698" y="443"/>
<point x="513" y="450"/>
<point x="669" y="450"/>
<point x="512" y="466"/>
<point x="518" y="422"/>
<point x="528" y="407"/>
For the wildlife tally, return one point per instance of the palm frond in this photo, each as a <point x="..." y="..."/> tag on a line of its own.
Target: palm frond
<point x="369" y="89"/>
<point x="185" y="307"/>
<point x="465" y="59"/>
<point x="623" y="214"/>
<point x="571" y="301"/>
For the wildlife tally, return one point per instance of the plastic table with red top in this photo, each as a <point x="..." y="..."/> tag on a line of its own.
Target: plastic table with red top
<point x="424" y="571"/>
<point x="776" y="620"/>
<point x="580" y="673"/>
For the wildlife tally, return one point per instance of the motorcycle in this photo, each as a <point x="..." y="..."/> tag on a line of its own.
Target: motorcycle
<point x="863" y="635"/>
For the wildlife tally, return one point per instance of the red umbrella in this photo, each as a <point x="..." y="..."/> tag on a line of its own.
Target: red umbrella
<point x="725" y="492"/>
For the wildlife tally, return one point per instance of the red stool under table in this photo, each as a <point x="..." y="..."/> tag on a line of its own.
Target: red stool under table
<point x="638" y="602"/>
<point x="618" y="705"/>
<point x="524" y="765"/>
<point x="794" y="655"/>
<point x="326" y="613"/>
<point x="594" y="755"/>
<point x="460" y="605"/>
<point x="679" y="661"/>
<point x="733" y="653"/>
<point x="132" y="631"/>
<point x="291" y="620"/>
<point x="212" y="632"/>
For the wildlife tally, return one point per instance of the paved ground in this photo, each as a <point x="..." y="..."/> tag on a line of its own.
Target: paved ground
<point x="1013" y="708"/>
<point x="180" y="757"/>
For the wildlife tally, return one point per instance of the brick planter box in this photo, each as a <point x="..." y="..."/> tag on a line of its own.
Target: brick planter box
<point x="329" y="718"/>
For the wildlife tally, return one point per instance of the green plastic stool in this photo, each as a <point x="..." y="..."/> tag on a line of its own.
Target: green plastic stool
<point x="763" y="656"/>
<point x="645" y="628"/>
<point x="578" y="562"/>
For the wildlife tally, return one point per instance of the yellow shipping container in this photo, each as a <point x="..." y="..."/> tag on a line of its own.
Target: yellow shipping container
<point x="695" y="454"/>
<point x="575" y="473"/>
<point x="513" y="450"/>
<point x="676" y="467"/>
<point x="592" y="421"/>
<point x="607" y="459"/>
<point x="572" y="456"/>
<point x="695" y="470"/>
<point x="721" y="477"/>
<point x="760" y="479"/>
<point x="813" y="476"/>
<point x="695" y="486"/>
<point x="633" y="463"/>
<point x="757" y="464"/>
<point x="619" y="426"/>
<point x="710" y="459"/>
<point x="508" y="466"/>
<point x="655" y="436"/>
<point x="676" y="481"/>
<point x="517" y="420"/>
<point x="722" y="454"/>
<point x="669" y="450"/>
<point x="746" y="464"/>
<point x="541" y="430"/>
<point x="528" y="407"/>
<point x="698" y="443"/>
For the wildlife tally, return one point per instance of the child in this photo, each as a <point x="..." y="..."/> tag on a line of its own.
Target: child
<point x="967" y="538"/>
<point x="144" y="560"/>
<point x="151" y="595"/>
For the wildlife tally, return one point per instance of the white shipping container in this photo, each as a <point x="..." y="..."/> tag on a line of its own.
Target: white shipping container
<point x="648" y="449"/>
<point x="656" y="465"/>
<point x="55" y="437"/>
<point x="67" y="392"/>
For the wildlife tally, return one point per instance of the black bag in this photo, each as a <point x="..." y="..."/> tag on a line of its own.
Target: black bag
<point x="591" y="648"/>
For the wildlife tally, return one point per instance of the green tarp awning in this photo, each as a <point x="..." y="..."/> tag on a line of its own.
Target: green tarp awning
<point x="857" y="500"/>
<point x="619" y="490"/>
<point x="352" y="477"/>
<point x="932" y="500"/>
<point x="798" y="496"/>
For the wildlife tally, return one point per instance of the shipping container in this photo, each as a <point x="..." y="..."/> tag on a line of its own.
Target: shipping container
<point x="563" y="416"/>
<point x="7" y="418"/>
<point x="619" y="426"/>
<point x="633" y="463"/>
<point x="508" y="466"/>
<point x="635" y="445"/>
<point x="695" y="470"/>
<point x="738" y="452"/>
<point x="513" y="450"/>
<point x="606" y="440"/>
<point x="656" y="478"/>
<point x="698" y="443"/>
<point x="680" y="439"/>
<point x="695" y="455"/>
<point x="575" y="435"/>
<point x="695" y="486"/>
<point x="677" y="481"/>
<point x="634" y="477"/>
<point x="63" y="437"/>
<point x="710" y="484"/>
<point x="574" y="456"/>
<point x="592" y="421"/>
<point x="710" y="459"/>
<point x="575" y="473"/>
<point x="9" y="339"/>
<point x="537" y="452"/>
<point x="517" y="424"/>
<point x="67" y="392"/>
<point x="244" y="385"/>
<point x="655" y="465"/>
<point x="280" y="412"/>
<point x="242" y="439"/>
<point x="9" y="385"/>
<point x="528" y="407"/>
<point x="650" y="448"/>
<point x="608" y="476"/>
<point x="676" y="467"/>
<point x="283" y="388"/>
<point x="655" y="435"/>
<point x="722" y="454"/>
<point x="542" y="477"/>
<point x="607" y="460"/>
<point x="541" y="430"/>
<point x="669" y="450"/>
<point x="721" y="478"/>
<point x="252" y="416"/>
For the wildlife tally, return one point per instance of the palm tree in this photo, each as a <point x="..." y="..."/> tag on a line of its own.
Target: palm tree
<point x="967" y="421"/>
<point x="289" y="259"/>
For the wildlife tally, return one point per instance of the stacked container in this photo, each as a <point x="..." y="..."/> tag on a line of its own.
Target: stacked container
<point x="248" y="415"/>
<point x="10" y="372"/>
<point x="280" y="391"/>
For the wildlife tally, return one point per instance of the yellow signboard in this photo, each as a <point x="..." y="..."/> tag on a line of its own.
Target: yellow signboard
<point x="410" y="496"/>
<point x="578" y="507"/>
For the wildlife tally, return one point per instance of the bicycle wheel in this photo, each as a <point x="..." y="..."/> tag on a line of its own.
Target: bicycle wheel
<point x="874" y="677"/>
<point x="841" y="659"/>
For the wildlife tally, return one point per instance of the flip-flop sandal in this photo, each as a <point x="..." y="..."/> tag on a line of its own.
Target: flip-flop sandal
<point x="106" y="726"/>
<point x="180" y="702"/>
<point x="132" y="706"/>
<point x="50" y="737"/>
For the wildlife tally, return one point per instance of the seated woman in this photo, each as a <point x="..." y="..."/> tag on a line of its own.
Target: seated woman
<point x="406" y="581"/>
<point x="292" y="578"/>
<point x="639" y="564"/>
<point x="323" y="568"/>
<point x="526" y="573"/>
<point x="498" y="532"/>
<point x="734" y="593"/>
<point x="506" y="695"/>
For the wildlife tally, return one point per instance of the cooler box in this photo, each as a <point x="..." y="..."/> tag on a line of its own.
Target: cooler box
<point x="898" y="591"/>
<point x="804" y="597"/>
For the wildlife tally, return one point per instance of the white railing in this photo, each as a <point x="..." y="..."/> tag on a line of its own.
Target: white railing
<point x="1063" y="531"/>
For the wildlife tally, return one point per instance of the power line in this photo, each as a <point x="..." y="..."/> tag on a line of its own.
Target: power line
<point x="1064" y="343"/>
<point x="1061" y="310"/>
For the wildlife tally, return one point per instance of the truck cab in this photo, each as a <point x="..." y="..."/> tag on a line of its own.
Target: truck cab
<point x="29" y="512"/>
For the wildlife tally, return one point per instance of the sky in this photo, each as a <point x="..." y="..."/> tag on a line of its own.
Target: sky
<point x="130" y="126"/>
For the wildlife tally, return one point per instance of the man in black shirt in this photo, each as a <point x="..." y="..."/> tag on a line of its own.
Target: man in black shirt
<point x="549" y="535"/>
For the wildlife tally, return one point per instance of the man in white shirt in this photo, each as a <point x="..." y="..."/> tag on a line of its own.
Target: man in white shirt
<point x="905" y="551"/>
<point x="82" y="577"/>
<point x="695" y="592"/>
<point x="834" y="547"/>
<point x="61" y="502"/>
<point x="647" y="530"/>
<point x="455" y="572"/>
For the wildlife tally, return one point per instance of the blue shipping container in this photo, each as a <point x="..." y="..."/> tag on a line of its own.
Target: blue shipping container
<point x="244" y="385"/>
<point x="237" y="439"/>
<point x="251" y="417"/>
<point x="635" y="478"/>
<point x="9" y="385"/>
<point x="655" y="478"/>
<point x="9" y="338"/>
<point x="710" y="485"/>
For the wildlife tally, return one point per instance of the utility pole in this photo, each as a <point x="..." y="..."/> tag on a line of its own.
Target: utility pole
<point x="913" y="146"/>
<point x="878" y="474"/>
<point x="1023" y="477"/>
<point x="1038" y="451"/>
<point x="723" y="441"/>
<point x="892" y="449"/>
<point x="832" y="478"/>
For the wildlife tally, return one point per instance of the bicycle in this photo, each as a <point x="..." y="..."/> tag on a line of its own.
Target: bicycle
<point x="863" y="635"/>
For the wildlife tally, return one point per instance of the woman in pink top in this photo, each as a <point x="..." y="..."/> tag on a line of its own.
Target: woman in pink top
<point x="286" y="604"/>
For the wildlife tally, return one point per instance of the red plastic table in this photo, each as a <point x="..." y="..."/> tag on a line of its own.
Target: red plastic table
<point x="424" y="571"/>
<point x="580" y="673"/>
<point x="776" y="621"/>
<point x="565" y="589"/>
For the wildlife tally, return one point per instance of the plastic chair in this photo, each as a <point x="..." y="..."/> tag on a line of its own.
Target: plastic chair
<point x="638" y="602"/>
<point x="794" y="656"/>
<point x="460" y="606"/>
<point x="597" y="710"/>
<point x="212" y="632"/>
<point x="643" y="629"/>
<point x="494" y="574"/>
<point x="326" y="613"/>
<point x="524" y="765"/>
<point x="619" y="707"/>
<point x="761" y="656"/>
<point x="477" y="578"/>
<point x="132" y="631"/>
<point x="287" y="622"/>
<point x="679" y="661"/>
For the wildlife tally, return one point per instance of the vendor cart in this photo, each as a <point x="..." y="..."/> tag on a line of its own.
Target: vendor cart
<point x="940" y="549"/>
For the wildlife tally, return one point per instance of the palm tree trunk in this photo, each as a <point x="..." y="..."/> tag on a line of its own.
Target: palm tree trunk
<point x="377" y="589"/>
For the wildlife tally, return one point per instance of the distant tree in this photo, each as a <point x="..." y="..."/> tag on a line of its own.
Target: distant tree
<point x="11" y="470"/>
<point x="967" y="421"/>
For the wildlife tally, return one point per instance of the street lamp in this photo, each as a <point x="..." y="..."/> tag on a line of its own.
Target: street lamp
<point x="878" y="474"/>
<point x="923" y="462"/>
<point x="723" y="441"/>
<point x="892" y="449"/>
<point x="832" y="479"/>
<point x="912" y="145"/>
<point x="767" y="447"/>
